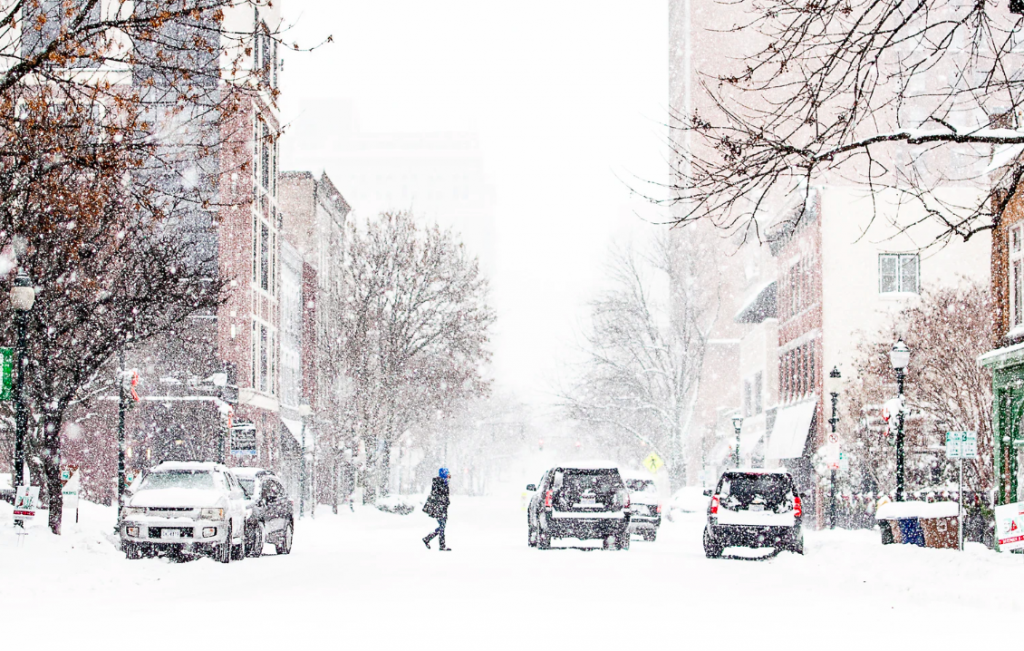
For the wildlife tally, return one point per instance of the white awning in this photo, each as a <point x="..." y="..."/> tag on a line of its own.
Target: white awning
<point x="789" y="435"/>
<point x="295" y="428"/>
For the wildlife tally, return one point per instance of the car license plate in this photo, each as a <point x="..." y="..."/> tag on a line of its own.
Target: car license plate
<point x="588" y="500"/>
<point x="757" y="507"/>
<point x="170" y="534"/>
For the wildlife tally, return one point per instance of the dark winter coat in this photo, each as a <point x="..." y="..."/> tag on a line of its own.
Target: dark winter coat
<point x="437" y="504"/>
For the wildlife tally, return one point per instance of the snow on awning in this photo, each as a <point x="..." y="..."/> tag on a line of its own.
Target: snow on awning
<point x="760" y="305"/>
<point x="295" y="428"/>
<point x="789" y="435"/>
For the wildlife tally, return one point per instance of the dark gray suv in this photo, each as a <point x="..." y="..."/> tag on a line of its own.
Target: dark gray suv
<point x="588" y="503"/>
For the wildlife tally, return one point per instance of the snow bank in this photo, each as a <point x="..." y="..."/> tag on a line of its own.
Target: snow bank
<point x="901" y="510"/>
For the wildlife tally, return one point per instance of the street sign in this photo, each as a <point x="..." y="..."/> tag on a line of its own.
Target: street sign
<point x="653" y="463"/>
<point x="1010" y="526"/>
<point x="7" y="368"/>
<point x="25" y="499"/>
<point x="71" y="486"/>
<point x="962" y="445"/>
<point x="243" y="438"/>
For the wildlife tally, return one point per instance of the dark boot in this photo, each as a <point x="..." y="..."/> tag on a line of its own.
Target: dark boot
<point x="426" y="541"/>
<point x="443" y="547"/>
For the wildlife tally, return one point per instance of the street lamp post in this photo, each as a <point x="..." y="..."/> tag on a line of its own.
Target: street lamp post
<point x="899" y="357"/>
<point x="737" y="424"/>
<point x="121" y="408"/>
<point x="23" y="296"/>
<point x="833" y="382"/>
<point x="304" y="411"/>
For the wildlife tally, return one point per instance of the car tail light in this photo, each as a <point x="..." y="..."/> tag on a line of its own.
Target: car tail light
<point x="658" y="510"/>
<point x="797" y="511"/>
<point x="627" y="501"/>
<point x="547" y="499"/>
<point x="714" y="505"/>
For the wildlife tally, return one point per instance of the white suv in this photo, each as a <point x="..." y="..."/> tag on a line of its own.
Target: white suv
<point x="185" y="507"/>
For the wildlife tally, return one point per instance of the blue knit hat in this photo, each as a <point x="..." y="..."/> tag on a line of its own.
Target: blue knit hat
<point x="443" y="473"/>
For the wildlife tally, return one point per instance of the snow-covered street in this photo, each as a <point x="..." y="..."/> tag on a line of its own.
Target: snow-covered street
<point x="364" y="580"/>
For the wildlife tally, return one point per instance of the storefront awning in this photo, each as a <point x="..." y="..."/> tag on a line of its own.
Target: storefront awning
<point x="789" y="435"/>
<point x="294" y="427"/>
<point x="760" y="305"/>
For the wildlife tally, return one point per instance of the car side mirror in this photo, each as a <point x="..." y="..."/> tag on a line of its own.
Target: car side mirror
<point x="707" y="492"/>
<point x="531" y="487"/>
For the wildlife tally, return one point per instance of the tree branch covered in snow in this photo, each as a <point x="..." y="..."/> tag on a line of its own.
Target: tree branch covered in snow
<point x="906" y="96"/>
<point x="945" y="390"/>
<point x="417" y="328"/>
<point x="645" y="348"/>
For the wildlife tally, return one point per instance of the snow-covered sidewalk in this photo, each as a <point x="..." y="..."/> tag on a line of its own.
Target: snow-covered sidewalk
<point x="364" y="580"/>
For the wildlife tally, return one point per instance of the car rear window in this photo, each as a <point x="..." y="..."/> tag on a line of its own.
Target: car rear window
<point x="198" y="479"/>
<point x="747" y="487"/>
<point x="641" y="486"/>
<point x="599" y="482"/>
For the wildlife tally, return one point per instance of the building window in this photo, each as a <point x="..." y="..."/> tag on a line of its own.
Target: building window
<point x="758" y="393"/>
<point x="899" y="272"/>
<point x="1016" y="276"/>
<point x="264" y="257"/>
<point x="264" y="360"/>
<point x="747" y="399"/>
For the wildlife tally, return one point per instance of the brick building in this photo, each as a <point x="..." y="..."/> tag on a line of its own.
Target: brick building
<point x="1006" y="360"/>
<point x="223" y="367"/>
<point x="314" y="221"/>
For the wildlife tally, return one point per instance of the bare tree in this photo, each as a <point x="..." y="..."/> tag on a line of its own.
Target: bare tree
<point x="645" y="349"/>
<point x="909" y="97"/>
<point x="113" y="120"/>
<point x="946" y="390"/>
<point x="417" y="329"/>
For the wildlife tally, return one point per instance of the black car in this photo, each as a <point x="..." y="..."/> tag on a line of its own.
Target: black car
<point x="644" y="508"/>
<point x="270" y="513"/>
<point x="584" y="503"/>
<point x="754" y="508"/>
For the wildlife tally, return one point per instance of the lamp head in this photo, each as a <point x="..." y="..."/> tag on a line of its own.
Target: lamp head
<point x="833" y="380"/>
<point x="899" y="356"/>
<point x="23" y="294"/>
<point x="737" y="422"/>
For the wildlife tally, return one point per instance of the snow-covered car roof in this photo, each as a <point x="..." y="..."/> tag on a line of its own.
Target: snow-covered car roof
<point x="756" y="471"/>
<point x="636" y="474"/>
<point x="208" y="466"/>
<point x="249" y="473"/>
<point x="590" y="464"/>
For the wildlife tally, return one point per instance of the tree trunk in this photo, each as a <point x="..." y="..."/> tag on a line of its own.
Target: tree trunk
<point x="384" y="469"/>
<point x="51" y="465"/>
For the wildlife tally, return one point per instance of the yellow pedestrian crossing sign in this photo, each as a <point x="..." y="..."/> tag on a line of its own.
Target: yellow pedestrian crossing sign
<point x="653" y="463"/>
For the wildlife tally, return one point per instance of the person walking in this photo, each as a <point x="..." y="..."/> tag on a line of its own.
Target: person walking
<point x="437" y="507"/>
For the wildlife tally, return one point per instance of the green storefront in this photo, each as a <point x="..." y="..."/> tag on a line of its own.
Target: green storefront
<point x="1007" y="366"/>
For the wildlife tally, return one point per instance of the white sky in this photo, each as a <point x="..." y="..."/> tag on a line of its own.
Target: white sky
<point x="563" y="96"/>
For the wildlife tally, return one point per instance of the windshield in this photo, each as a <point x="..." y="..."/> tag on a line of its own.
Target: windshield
<point x="641" y="486"/>
<point x="248" y="486"/>
<point x="195" y="479"/>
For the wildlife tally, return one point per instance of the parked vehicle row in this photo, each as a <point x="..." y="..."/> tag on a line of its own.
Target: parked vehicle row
<point x="201" y="508"/>
<point x="748" y="508"/>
